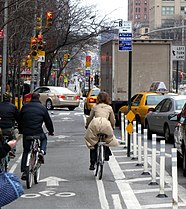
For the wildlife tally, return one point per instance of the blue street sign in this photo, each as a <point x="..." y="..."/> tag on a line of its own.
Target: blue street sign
<point x="87" y="73"/>
<point x="125" y="41"/>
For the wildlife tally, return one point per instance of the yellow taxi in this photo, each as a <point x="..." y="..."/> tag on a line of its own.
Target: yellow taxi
<point x="90" y="100"/>
<point x="141" y="104"/>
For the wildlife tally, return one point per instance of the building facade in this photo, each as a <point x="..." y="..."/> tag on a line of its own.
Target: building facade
<point x="138" y="13"/>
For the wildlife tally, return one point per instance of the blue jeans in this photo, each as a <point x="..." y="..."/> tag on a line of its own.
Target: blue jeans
<point x="26" y="149"/>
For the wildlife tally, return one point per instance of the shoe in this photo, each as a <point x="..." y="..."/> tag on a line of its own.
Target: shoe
<point x="91" y="167"/>
<point x="12" y="154"/>
<point x="23" y="177"/>
<point x="41" y="157"/>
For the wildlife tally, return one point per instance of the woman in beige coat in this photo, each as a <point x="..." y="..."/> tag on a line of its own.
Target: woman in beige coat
<point x="101" y="120"/>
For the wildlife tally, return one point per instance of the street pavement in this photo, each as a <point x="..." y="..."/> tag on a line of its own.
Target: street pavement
<point x="66" y="182"/>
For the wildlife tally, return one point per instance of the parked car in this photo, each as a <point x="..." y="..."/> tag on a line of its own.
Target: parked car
<point x="157" y="120"/>
<point x="55" y="96"/>
<point x="180" y="136"/>
<point x="141" y="104"/>
<point x="90" y="100"/>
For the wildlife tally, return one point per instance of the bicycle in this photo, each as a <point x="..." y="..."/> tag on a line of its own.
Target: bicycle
<point x="33" y="165"/>
<point x="100" y="155"/>
<point x="4" y="161"/>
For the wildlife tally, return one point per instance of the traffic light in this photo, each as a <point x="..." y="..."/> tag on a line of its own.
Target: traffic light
<point x="88" y="61"/>
<point x="49" y="19"/>
<point x="33" y="46"/>
<point x="68" y="57"/>
<point x="38" y="23"/>
<point x="65" y="57"/>
<point x="40" y="42"/>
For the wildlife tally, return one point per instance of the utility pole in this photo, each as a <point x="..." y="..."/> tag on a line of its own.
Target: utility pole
<point x="5" y="42"/>
<point x="33" y="60"/>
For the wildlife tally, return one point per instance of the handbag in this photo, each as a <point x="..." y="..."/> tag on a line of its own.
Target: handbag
<point x="10" y="188"/>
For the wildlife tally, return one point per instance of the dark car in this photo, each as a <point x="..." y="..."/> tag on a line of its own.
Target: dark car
<point x="157" y="121"/>
<point x="180" y="136"/>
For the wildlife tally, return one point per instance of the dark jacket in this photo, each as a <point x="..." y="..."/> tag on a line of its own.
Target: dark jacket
<point x="8" y="115"/>
<point x="31" y="119"/>
<point x="4" y="149"/>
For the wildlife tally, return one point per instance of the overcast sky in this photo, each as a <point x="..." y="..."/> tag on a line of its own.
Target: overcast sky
<point x="117" y="8"/>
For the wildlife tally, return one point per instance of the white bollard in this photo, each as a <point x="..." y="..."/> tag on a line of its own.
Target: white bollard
<point x="139" y="147"/>
<point x="145" y="152"/>
<point x="174" y="179"/>
<point x="153" y="182"/>
<point x="126" y="134"/>
<point x="134" y="136"/>
<point x="122" y="127"/>
<point x="162" y="169"/>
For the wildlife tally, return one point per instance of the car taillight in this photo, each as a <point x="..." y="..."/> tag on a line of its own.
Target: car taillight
<point x="76" y="97"/>
<point x="60" y="96"/>
<point x="92" y="100"/>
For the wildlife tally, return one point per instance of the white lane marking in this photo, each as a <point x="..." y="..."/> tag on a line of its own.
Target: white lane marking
<point x="140" y="179"/>
<point x="163" y="205"/>
<point x="64" y="113"/>
<point x="102" y="195"/>
<point x="115" y="168"/>
<point x="124" y="187"/>
<point x="78" y="113"/>
<point x="14" y="166"/>
<point x="150" y="190"/>
<point x="116" y="201"/>
<point x="129" y="162"/>
<point x="133" y="169"/>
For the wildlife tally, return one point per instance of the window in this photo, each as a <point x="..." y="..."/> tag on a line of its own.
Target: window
<point x="183" y="10"/>
<point x="137" y="100"/>
<point x="169" y="10"/>
<point x="166" y="106"/>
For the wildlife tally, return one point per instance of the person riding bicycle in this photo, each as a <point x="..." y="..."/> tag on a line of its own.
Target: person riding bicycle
<point x="6" y="147"/>
<point x="101" y="120"/>
<point x="31" y="118"/>
<point x="8" y="116"/>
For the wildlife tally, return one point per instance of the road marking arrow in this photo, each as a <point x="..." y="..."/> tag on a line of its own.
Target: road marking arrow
<point x="52" y="181"/>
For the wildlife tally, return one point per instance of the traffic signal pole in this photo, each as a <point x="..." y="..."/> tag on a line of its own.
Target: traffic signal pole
<point x="5" y="40"/>
<point x="33" y="59"/>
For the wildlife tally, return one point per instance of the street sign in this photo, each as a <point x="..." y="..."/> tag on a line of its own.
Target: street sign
<point x="178" y="53"/>
<point x="41" y="56"/>
<point x="125" y="36"/>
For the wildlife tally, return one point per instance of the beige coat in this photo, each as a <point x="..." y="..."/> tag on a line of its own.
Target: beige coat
<point x="101" y="120"/>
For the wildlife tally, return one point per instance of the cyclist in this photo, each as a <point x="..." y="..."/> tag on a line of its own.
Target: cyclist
<point x="8" y="116"/>
<point x="32" y="116"/>
<point x="6" y="147"/>
<point x="101" y="120"/>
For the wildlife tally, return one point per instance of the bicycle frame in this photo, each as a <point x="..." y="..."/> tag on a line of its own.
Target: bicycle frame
<point x="32" y="164"/>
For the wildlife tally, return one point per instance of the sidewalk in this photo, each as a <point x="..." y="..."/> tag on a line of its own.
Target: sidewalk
<point x="135" y="188"/>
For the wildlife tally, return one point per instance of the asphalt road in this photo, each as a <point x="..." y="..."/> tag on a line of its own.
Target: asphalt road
<point x="66" y="181"/>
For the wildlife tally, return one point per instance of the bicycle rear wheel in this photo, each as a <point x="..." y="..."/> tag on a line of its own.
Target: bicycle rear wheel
<point x="29" y="177"/>
<point x="101" y="157"/>
<point x="100" y="171"/>
<point x="37" y="173"/>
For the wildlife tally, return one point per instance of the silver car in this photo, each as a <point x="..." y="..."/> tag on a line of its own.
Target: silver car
<point x="157" y="121"/>
<point x="55" y="96"/>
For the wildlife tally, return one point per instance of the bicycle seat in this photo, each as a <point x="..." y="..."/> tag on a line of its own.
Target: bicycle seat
<point x="31" y="138"/>
<point x="102" y="136"/>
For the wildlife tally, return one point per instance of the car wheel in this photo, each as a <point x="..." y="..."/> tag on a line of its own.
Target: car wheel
<point x="49" y="104"/>
<point x="167" y="133"/>
<point x="71" y="108"/>
<point x="149" y="133"/>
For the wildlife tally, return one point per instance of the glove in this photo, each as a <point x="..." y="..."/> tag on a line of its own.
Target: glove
<point x="51" y="134"/>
